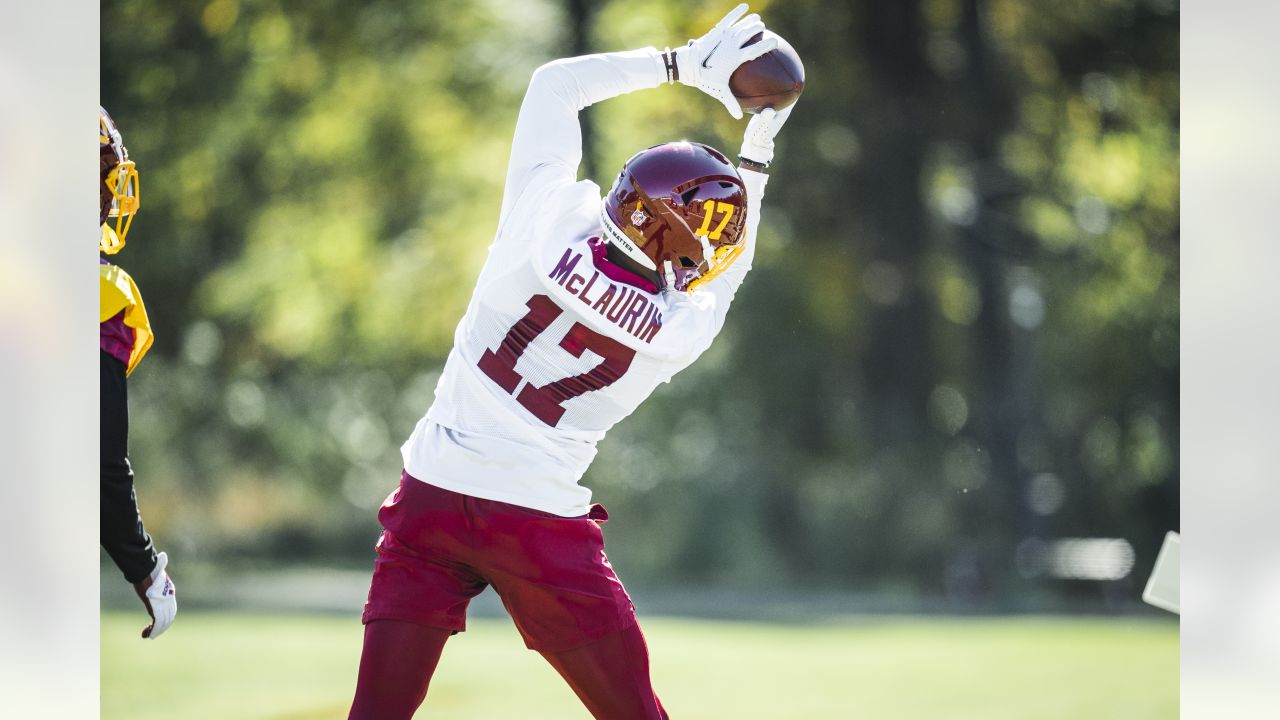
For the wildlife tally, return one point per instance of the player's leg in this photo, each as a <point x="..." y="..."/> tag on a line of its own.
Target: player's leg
<point x="611" y="676"/>
<point x="570" y="606"/>
<point x="396" y="666"/>
<point x="418" y="596"/>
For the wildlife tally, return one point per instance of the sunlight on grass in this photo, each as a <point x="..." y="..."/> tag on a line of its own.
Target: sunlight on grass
<point x="302" y="667"/>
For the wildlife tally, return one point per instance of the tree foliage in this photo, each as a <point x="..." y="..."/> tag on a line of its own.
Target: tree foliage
<point x="961" y="335"/>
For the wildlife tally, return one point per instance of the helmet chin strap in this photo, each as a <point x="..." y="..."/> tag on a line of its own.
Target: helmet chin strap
<point x="110" y="242"/>
<point x="708" y="254"/>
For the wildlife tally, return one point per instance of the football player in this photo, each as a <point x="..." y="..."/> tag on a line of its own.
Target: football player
<point x="582" y="309"/>
<point x="124" y="337"/>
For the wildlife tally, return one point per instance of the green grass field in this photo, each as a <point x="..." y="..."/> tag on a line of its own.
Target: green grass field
<point x="302" y="667"/>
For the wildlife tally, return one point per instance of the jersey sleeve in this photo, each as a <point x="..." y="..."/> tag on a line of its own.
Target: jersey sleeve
<point x="120" y="303"/>
<point x="548" y="139"/>
<point x="122" y="534"/>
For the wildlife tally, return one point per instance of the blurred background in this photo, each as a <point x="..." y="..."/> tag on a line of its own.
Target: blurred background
<point x="949" y="386"/>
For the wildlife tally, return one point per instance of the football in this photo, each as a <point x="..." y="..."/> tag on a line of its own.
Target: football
<point x="773" y="80"/>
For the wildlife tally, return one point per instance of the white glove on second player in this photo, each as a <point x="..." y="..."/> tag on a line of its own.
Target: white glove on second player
<point x="757" y="141"/>
<point x="159" y="595"/>
<point x="707" y="63"/>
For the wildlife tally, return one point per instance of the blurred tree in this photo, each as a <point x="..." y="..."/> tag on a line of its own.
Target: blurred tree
<point x="960" y="338"/>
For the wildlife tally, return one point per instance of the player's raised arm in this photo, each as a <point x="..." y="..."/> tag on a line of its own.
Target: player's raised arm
<point x="755" y="156"/>
<point x="548" y="138"/>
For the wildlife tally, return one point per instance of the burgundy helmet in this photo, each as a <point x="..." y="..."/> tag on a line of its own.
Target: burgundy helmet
<point x="678" y="209"/>
<point x="118" y="188"/>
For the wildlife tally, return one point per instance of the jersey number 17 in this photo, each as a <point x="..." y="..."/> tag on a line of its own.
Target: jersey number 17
<point x="547" y="402"/>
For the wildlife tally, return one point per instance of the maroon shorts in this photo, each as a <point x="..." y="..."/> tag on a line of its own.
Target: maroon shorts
<point x="439" y="549"/>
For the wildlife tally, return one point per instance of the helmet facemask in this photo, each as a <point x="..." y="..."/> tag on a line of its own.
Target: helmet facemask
<point x="120" y="195"/>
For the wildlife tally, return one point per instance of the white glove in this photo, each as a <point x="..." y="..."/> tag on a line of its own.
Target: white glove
<point x="157" y="592"/>
<point x="757" y="141"/>
<point x="707" y="63"/>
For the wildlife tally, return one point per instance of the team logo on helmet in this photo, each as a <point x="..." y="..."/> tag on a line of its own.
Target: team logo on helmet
<point x="638" y="217"/>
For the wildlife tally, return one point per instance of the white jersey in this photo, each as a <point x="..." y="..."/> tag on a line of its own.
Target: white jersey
<point x="552" y="352"/>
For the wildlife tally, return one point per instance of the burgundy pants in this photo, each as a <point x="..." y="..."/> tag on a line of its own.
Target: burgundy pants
<point x="439" y="549"/>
